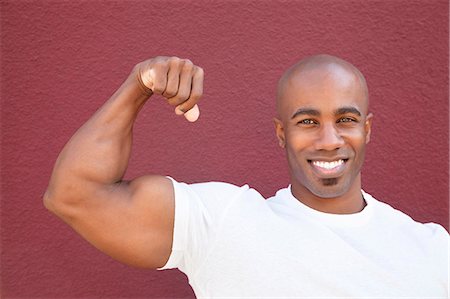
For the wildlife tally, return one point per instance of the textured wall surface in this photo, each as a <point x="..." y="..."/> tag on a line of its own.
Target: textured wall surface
<point x="60" y="60"/>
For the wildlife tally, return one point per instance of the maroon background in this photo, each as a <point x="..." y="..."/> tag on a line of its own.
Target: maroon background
<point x="61" y="60"/>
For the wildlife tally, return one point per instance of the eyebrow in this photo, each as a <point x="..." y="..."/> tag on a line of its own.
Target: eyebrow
<point x="305" y="111"/>
<point x="349" y="109"/>
<point x="314" y="112"/>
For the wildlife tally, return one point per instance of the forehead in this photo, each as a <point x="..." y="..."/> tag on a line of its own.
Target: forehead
<point x="324" y="88"/>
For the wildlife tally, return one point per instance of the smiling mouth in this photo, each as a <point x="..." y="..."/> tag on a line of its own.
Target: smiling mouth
<point x="328" y="165"/>
<point x="328" y="169"/>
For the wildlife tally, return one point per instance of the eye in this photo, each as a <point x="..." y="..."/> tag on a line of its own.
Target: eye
<point x="307" y="121"/>
<point x="347" y="120"/>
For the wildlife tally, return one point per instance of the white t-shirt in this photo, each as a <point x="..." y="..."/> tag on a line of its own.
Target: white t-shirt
<point x="232" y="243"/>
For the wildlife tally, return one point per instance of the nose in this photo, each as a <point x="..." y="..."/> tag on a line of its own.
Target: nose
<point x="328" y="138"/>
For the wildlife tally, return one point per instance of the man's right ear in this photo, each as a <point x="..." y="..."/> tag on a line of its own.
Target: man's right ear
<point x="279" y="131"/>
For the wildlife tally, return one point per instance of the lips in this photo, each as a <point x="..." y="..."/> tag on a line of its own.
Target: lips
<point x="328" y="169"/>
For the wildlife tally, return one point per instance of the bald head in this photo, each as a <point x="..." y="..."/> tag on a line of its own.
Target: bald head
<point x="321" y="72"/>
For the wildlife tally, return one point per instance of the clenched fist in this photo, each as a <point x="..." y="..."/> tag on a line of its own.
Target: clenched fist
<point x="178" y="80"/>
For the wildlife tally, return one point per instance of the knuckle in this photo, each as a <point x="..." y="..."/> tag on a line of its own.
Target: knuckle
<point x="159" y="63"/>
<point x="174" y="61"/>
<point x="160" y="58"/>
<point x="188" y="64"/>
<point x="200" y="71"/>
<point x="162" y="63"/>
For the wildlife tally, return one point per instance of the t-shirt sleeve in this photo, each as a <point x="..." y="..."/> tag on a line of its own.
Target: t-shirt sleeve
<point x="199" y="212"/>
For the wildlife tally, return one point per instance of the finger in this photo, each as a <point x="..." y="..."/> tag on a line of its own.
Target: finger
<point x="193" y="114"/>
<point x="158" y="74"/>
<point x="184" y="88"/>
<point x="173" y="77"/>
<point x="196" y="91"/>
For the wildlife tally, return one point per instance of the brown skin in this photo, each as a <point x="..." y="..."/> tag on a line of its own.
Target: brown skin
<point x="132" y="221"/>
<point x="323" y="116"/>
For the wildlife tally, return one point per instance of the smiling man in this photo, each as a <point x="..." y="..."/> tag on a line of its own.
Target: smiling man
<point x="321" y="237"/>
<point x="324" y="126"/>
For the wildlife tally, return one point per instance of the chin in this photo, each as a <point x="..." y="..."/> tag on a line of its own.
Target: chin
<point x="327" y="193"/>
<point x="329" y="188"/>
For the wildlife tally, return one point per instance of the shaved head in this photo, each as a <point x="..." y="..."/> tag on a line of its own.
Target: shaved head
<point x="320" y="69"/>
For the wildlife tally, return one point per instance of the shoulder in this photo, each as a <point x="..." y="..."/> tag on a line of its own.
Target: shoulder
<point x="219" y="189"/>
<point x="214" y="195"/>
<point x="400" y="220"/>
<point x="208" y="190"/>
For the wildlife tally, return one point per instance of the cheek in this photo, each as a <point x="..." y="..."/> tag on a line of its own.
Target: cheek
<point x="297" y="148"/>
<point x="358" y="144"/>
<point x="298" y="140"/>
<point x="356" y="138"/>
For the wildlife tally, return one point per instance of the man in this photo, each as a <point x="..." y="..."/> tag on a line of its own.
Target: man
<point x="320" y="237"/>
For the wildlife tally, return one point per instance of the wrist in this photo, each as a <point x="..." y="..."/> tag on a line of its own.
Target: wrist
<point x="131" y="92"/>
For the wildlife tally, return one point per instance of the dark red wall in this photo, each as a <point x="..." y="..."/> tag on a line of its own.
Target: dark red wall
<point x="62" y="59"/>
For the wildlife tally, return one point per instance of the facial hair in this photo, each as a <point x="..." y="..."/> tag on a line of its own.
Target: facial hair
<point x="329" y="182"/>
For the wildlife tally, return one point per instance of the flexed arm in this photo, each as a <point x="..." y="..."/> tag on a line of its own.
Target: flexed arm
<point x="130" y="221"/>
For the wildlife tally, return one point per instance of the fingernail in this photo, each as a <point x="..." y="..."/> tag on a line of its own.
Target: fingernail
<point x="193" y="114"/>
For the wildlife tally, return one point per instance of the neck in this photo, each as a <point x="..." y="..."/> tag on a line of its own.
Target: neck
<point x="350" y="202"/>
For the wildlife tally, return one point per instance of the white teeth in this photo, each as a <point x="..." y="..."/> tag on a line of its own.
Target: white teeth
<point x="328" y="165"/>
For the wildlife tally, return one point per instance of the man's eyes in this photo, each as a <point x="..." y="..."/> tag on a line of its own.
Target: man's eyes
<point x="309" y="121"/>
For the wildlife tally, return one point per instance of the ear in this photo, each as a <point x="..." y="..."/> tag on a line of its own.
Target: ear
<point x="279" y="131"/>
<point x="368" y="126"/>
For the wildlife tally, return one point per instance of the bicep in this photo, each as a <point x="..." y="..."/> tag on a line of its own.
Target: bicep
<point x="130" y="221"/>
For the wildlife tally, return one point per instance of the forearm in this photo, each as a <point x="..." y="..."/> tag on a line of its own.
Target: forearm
<point x="99" y="151"/>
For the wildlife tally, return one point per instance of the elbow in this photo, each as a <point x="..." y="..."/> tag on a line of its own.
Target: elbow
<point x="58" y="205"/>
<point x="48" y="201"/>
<point x="54" y="204"/>
<point x="65" y="194"/>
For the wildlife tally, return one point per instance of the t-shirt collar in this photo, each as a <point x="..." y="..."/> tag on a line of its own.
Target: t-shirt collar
<point x="355" y="219"/>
